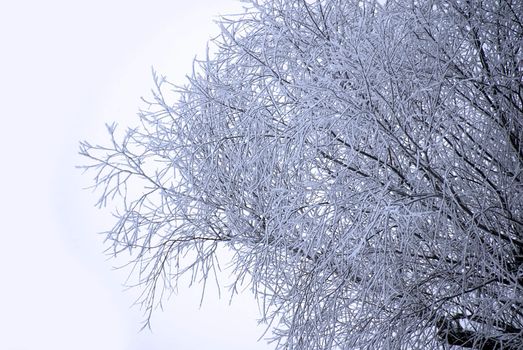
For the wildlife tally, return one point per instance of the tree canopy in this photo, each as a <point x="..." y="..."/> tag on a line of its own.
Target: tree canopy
<point x="361" y="159"/>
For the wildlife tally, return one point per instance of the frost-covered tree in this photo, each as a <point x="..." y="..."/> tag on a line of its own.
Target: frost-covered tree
<point x="362" y="160"/>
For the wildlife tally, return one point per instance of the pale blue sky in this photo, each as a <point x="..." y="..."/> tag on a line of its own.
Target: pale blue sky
<point x="66" y="68"/>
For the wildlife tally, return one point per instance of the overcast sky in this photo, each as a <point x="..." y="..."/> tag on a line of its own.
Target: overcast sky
<point x="66" y="68"/>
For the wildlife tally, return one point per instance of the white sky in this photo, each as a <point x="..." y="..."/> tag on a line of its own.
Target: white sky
<point x="66" y="68"/>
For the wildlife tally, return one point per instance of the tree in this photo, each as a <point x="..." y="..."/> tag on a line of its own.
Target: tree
<point x="361" y="159"/>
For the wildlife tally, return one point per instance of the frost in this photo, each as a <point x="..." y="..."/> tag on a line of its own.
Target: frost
<point x="362" y="161"/>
